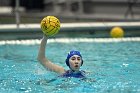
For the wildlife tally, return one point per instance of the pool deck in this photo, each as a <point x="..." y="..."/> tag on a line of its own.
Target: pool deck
<point x="88" y="29"/>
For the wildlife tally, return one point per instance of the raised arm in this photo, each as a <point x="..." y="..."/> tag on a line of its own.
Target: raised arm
<point x="44" y="60"/>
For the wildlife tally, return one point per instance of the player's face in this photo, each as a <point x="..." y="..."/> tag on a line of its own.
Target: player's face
<point x="75" y="62"/>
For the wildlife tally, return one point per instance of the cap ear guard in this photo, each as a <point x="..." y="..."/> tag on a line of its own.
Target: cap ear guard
<point x="67" y="62"/>
<point x="82" y="62"/>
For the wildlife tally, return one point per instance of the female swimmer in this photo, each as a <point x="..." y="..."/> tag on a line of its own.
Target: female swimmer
<point x="74" y="61"/>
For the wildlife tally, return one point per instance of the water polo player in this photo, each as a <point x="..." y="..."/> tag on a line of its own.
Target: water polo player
<point x="74" y="61"/>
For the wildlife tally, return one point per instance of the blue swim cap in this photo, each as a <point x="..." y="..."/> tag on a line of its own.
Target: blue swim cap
<point x="71" y="53"/>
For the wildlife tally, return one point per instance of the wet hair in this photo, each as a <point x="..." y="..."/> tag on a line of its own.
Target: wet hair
<point x="70" y="54"/>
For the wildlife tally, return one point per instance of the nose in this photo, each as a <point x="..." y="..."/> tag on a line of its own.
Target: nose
<point x="76" y="62"/>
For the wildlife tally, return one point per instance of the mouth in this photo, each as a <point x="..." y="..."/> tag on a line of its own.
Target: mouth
<point x="76" y="66"/>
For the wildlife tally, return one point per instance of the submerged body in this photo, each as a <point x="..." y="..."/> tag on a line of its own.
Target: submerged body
<point x="70" y="73"/>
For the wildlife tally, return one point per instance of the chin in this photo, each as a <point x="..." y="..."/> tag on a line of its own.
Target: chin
<point x="77" y="68"/>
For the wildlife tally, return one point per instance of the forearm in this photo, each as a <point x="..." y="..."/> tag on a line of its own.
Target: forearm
<point x="41" y="53"/>
<point x="44" y="60"/>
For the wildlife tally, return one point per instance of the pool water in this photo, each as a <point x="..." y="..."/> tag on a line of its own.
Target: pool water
<point x="111" y="68"/>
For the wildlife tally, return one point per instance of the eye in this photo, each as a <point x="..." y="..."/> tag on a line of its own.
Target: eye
<point x="73" y="58"/>
<point x="78" y="58"/>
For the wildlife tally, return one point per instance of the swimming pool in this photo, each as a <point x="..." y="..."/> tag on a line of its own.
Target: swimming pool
<point x="112" y="67"/>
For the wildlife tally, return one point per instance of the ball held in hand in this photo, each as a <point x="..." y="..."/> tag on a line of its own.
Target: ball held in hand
<point x="50" y="25"/>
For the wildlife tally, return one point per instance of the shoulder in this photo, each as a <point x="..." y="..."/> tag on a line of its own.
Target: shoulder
<point x="67" y="72"/>
<point x="83" y="72"/>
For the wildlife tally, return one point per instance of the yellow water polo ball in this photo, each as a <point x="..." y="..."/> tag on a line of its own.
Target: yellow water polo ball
<point x="50" y="25"/>
<point x="117" y="32"/>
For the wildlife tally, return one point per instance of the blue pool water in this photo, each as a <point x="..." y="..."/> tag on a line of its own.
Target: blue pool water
<point x="111" y="68"/>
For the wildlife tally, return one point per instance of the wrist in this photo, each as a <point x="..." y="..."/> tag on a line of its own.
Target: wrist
<point x="45" y="37"/>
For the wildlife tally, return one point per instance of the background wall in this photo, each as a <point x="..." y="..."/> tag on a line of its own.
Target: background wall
<point x="32" y="11"/>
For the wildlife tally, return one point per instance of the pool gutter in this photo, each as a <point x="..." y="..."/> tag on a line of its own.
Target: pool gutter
<point x="89" y="30"/>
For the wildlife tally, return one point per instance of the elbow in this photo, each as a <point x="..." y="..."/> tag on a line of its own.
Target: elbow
<point x="39" y="58"/>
